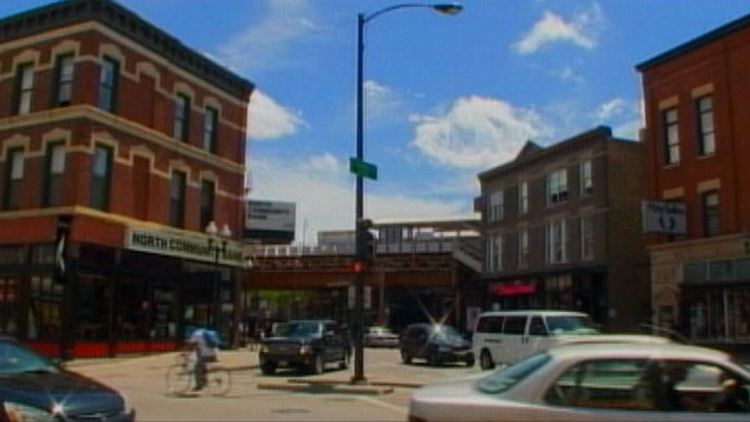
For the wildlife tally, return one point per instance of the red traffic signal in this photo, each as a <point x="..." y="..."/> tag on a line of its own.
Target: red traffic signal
<point x="357" y="267"/>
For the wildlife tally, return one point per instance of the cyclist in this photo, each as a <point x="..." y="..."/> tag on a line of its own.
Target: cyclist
<point x="204" y="343"/>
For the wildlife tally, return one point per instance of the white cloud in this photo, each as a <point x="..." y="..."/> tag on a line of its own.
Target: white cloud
<point x="380" y="101"/>
<point x="267" y="119"/>
<point x="611" y="108"/>
<point x="265" y="44"/>
<point x="324" y="193"/>
<point x="568" y="74"/>
<point x="476" y="132"/>
<point x="551" y="28"/>
<point x="622" y="114"/>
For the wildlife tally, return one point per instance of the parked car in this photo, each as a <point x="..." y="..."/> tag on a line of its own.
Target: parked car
<point x="505" y="337"/>
<point x="33" y="388"/>
<point x="305" y="344"/>
<point x="597" y="382"/>
<point x="381" y="337"/>
<point x="436" y="343"/>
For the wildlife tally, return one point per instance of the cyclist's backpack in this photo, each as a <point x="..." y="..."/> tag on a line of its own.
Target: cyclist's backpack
<point x="211" y="338"/>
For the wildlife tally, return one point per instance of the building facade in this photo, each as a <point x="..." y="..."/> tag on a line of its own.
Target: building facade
<point x="696" y="154"/>
<point x="562" y="230"/>
<point x="119" y="147"/>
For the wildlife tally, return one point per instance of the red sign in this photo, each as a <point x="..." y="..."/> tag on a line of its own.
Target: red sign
<point x="514" y="288"/>
<point x="357" y="267"/>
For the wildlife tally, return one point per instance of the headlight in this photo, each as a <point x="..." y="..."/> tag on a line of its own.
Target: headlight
<point x="16" y="412"/>
<point x="305" y="350"/>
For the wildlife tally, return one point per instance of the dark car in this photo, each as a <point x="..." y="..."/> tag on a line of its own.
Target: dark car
<point x="32" y="388"/>
<point x="437" y="343"/>
<point x="308" y="345"/>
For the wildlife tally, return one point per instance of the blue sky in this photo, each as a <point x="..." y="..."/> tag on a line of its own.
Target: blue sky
<point x="447" y="97"/>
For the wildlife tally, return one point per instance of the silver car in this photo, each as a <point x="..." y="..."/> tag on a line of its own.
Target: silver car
<point x="381" y="337"/>
<point x="597" y="382"/>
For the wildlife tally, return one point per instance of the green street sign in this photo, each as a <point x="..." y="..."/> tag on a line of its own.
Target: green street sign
<point x="363" y="168"/>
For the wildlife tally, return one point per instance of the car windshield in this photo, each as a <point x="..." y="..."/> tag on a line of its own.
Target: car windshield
<point x="445" y="332"/>
<point x="571" y="324"/>
<point x="503" y="379"/>
<point x="16" y="359"/>
<point x="298" y="329"/>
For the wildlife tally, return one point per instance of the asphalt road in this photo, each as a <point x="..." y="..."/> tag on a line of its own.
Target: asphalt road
<point x="142" y="380"/>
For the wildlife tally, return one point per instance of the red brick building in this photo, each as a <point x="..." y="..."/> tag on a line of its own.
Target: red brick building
<point x="118" y="146"/>
<point x="696" y="136"/>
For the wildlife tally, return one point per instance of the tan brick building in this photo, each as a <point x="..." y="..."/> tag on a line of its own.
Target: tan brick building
<point x="697" y="150"/>
<point x="562" y="230"/>
<point x="118" y="146"/>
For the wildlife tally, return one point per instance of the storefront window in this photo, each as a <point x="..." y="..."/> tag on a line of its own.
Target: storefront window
<point x="45" y="310"/>
<point x="9" y="305"/>
<point x="92" y="310"/>
<point x="719" y="314"/>
<point x="132" y="315"/>
<point x="165" y="312"/>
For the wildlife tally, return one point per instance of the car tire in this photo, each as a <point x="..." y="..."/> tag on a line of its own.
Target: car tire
<point x="470" y="362"/>
<point x="433" y="359"/>
<point x="485" y="360"/>
<point x="318" y="365"/>
<point x="268" y="368"/>
<point x="405" y="357"/>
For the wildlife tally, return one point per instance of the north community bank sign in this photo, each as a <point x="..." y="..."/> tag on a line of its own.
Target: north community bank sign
<point x="179" y="245"/>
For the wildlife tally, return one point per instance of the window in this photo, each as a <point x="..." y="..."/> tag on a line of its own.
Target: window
<point x="494" y="253"/>
<point x="706" y="136"/>
<point x="181" y="117"/>
<point x="587" y="238"/>
<point x="557" y="186"/>
<point x="523" y="248"/>
<point x="496" y="206"/>
<point x="490" y="324"/>
<point x="500" y="381"/>
<point x="100" y="177"/>
<point x="699" y="388"/>
<point x="711" y="225"/>
<point x="210" y="121"/>
<point x="537" y="327"/>
<point x="671" y="136"/>
<point x="207" y="202"/>
<point x="606" y="384"/>
<point x="14" y="162"/>
<point x="587" y="182"/>
<point x="63" y="88"/>
<point x="53" y="175"/>
<point x="108" y="80"/>
<point x="523" y="198"/>
<point x="24" y="88"/>
<point x="556" y="242"/>
<point x="515" y="325"/>
<point x="177" y="199"/>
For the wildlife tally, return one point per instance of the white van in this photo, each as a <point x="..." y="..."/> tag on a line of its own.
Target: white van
<point x="505" y="337"/>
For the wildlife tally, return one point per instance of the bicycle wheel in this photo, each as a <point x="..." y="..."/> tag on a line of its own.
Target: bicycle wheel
<point x="179" y="379"/>
<point x="218" y="381"/>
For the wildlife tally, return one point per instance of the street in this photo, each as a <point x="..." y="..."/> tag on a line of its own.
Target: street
<point x="142" y="380"/>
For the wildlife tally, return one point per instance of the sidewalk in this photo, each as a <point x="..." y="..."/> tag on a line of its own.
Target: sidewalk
<point x="234" y="360"/>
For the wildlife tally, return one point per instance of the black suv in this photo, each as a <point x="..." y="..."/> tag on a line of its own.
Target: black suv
<point x="307" y="344"/>
<point x="437" y="343"/>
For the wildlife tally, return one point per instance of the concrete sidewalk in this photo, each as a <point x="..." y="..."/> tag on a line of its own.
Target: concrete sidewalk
<point x="234" y="360"/>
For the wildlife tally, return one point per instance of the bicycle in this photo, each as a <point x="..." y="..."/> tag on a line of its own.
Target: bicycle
<point x="181" y="377"/>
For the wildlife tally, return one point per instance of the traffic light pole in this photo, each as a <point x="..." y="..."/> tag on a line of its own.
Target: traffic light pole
<point x="358" y="320"/>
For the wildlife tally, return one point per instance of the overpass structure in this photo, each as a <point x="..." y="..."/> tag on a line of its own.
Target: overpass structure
<point x="422" y="270"/>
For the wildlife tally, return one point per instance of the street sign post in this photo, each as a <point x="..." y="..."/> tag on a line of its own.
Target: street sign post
<point x="363" y="168"/>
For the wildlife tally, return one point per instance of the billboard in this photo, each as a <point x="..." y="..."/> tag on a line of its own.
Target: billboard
<point x="663" y="217"/>
<point x="270" y="221"/>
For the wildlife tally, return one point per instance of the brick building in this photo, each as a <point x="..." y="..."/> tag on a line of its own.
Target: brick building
<point x="118" y="147"/>
<point x="562" y="230"/>
<point x="697" y="151"/>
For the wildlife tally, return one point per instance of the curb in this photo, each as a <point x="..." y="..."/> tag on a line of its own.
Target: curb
<point x="393" y="384"/>
<point x="326" y="388"/>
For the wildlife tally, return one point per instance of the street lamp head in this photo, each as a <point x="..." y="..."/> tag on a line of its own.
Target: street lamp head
<point x="450" y="9"/>
<point x="226" y="231"/>
<point x="211" y="228"/>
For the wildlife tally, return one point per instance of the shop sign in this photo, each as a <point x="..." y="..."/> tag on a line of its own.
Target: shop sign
<point x="514" y="288"/>
<point x="663" y="217"/>
<point x="196" y="247"/>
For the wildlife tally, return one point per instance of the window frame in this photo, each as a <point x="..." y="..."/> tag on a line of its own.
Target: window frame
<point x="181" y="117"/>
<point x="206" y="218"/>
<point x="10" y="195"/>
<point x="210" y="133"/>
<point x="111" y="88"/>
<point x="551" y="242"/>
<point x="106" y="177"/>
<point x="496" y="205"/>
<point x="557" y="186"/>
<point x="177" y="215"/>
<point x="58" y="83"/>
<point x="587" y="253"/>
<point x="49" y="161"/>
<point x="586" y="178"/>
<point x="671" y="145"/>
<point x="711" y="211"/>
<point x="19" y="91"/>
<point x="523" y="248"/>
<point x="523" y="197"/>
<point x="703" y="132"/>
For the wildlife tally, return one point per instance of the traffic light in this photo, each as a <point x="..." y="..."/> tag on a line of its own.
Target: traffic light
<point x="367" y="239"/>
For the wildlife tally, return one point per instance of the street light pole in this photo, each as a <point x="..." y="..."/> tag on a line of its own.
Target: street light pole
<point x="358" y="320"/>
